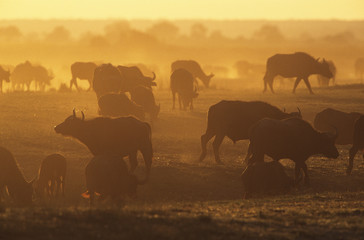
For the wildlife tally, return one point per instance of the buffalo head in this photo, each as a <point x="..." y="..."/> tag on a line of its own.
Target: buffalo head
<point x="70" y="126"/>
<point x="327" y="145"/>
<point x="325" y="69"/>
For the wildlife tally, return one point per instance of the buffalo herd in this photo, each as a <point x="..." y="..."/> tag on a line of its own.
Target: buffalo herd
<point x="125" y="96"/>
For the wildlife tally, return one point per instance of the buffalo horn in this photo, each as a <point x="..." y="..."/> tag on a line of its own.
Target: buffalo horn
<point x="74" y="113"/>
<point x="83" y="115"/>
<point x="299" y="111"/>
<point x="153" y="76"/>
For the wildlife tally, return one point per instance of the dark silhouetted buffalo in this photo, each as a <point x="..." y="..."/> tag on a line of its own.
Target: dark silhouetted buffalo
<point x="122" y="137"/>
<point x="299" y="65"/>
<point x="4" y="76"/>
<point x="134" y="77"/>
<point x="11" y="177"/>
<point x="194" y="68"/>
<point x="107" y="79"/>
<point x="144" y="97"/>
<point x="182" y="83"/>
<point x="291" y="138"/>
<point x="234" y="119"/>
<point x="119" y="105"/>
<point x="82" y="71"/>
<point x="109" y="176"/>
<point x="358" y="142"/>
<point x="42" y="77"/>
<point x="265" y="177"/>
<point x="331" y="119"/>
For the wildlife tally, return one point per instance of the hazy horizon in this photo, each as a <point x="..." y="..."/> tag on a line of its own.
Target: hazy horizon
<point x="183" y="10"/>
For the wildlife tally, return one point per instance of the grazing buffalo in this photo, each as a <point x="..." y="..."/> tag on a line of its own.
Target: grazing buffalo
<point x="4" y="76"/>
<point x="109" y="176"/>
<point x="324" y="81"/>
<point x="144" y="97"/>
<point x="22" y="76"/>
<point x="182" y="83"/>
<point x="122" y="137"/>
<point x="51" y="176"/>
<point x="194" y="68"/>
<point x="265" y="177"/>
<point x="359" y="68"/>
<point x="11" y="177"/>
<point x="234" y="119"/>
<point x="358" y="142"/>
<point x="42" y="77"/>
<point x="299" y="65"/>
<point x="330" y="119"/>
<point x="107" y="79"/>
<point x="291" y="138"/>
<point x="119" y="105"/>
<point x="134" y="77"/>
<point x="82" y="71"/>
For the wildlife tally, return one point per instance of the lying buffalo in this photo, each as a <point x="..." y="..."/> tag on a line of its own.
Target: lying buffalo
<point x="108" y="176"/>
<point x="291" y="138"/>
<point x="265" y="177"/>
<point x="122" y="137"/>
<point x="234" y="119"/>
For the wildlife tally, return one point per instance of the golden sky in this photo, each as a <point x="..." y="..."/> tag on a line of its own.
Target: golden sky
<point x="182" y="9"/>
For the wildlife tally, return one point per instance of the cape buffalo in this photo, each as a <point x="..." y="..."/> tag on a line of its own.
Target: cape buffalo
<point x="144" y="97"/>
<point x="118" y="105"/>
<point x="264" y="177"/>
<point x="52" y="174"/>
<point x="182" y="83"/>
<point x="11" y="177"/>
<point x="234" y="119"/>
<point x="299" y="65"/>
<point x="291" y="138"/>
<point x="122" y="137"/>
<point x="21" y="76"/>
<point x="359" y="68"/>
<point x="82" y="71"/>
<point x="134" y="77"/>
<point x="324" y="81"/>
<point x="107" y="79"/>
<point x="358" y="142"/>
<point x="330" y="119"/>
<point x="194" y="68"/>
<point x="42" y="77"/>
<point x="4" y="76"/>
<point x="109" y="176"/>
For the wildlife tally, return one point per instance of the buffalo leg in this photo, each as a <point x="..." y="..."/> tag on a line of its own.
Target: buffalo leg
<point x="63" y="182"/>
<point x="308" y="85"/>
<point x="304" y="168"/>
<point x="133" y="160"/>
<point x="297" y="177"/>
<point x="174" y="99"/>
<point x="216" y="145"/>
<point x="352" y="153"/>
<point x="205" y="138"/>
<point x="298" y="79"/>
<point x="248" y="154"/>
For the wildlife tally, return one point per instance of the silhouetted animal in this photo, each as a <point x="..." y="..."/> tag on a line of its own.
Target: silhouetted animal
<point x="144" y="97"/>
<point x="52" y="174"/>
<point x="194" y="68"/>
<point x="324" y="81"/>
<point x="4" y="76"/>
<point x="359" y="68"/>
<point x="265" y="177"/>
<point x="358" y="142"/>
<point x="107" y="79"/>
<point x="22" y="76"/>
<point x="109" y="176"/>
<point x="122" y="136"/>
<point x="118" y="105"/>
<point x="234" y="119"/>
<point x="330" y="119"/>
<point x="11" y="177"/>
<point x="42" y="77"/>
<point x="182" y="83"/>
<point x="134" y="77"/>
<point x="291" y="138"/>
<point x="82" y="71"/>
<point x="299" y="65"/>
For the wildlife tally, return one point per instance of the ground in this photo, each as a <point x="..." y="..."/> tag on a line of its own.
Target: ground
<point x="184" y="199"/>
